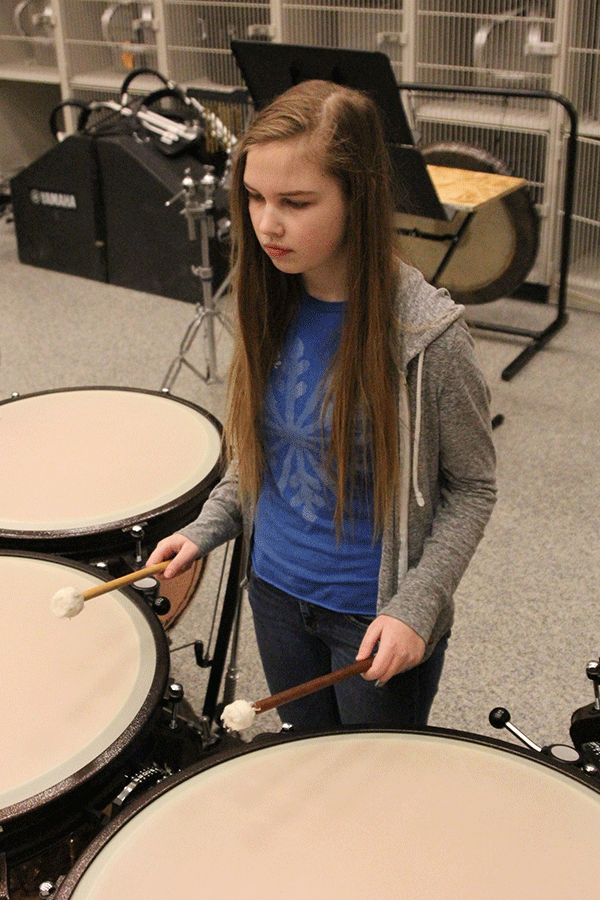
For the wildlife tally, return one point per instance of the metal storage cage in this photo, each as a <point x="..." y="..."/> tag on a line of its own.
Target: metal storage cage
<point x="85" y="47"/>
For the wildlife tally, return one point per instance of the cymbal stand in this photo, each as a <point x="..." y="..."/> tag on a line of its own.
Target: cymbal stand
<point x="198" y="206"/>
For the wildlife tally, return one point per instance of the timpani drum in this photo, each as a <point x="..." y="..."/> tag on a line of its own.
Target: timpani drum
<point x="83" y="465"/>
<point x="382" y="814"/>
<point x="78" y="702"/>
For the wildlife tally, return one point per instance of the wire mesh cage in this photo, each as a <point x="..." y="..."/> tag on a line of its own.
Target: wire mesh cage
<point x="198" y="37"/>
<point x="375" y="25"/>
<point x="585" y="257"/>
<point x="109" y="37"/>
<point x="30" y="35"/>
<point x="582" y="79"/>
<point x="539" y="45"/>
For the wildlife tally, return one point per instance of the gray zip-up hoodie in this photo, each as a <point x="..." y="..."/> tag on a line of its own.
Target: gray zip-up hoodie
<point x="447" y="480"/>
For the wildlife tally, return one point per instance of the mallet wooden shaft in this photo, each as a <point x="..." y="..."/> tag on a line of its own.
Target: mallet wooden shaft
<point x="125" y="579"/>
<point x="310" y="687"/>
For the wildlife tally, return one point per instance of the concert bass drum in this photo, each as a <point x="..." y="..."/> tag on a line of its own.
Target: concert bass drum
<point x="388" y="814"/>
<point x="500" y="244"/>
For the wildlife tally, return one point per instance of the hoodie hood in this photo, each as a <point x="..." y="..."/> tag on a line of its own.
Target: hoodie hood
<point x="424" y="312"/>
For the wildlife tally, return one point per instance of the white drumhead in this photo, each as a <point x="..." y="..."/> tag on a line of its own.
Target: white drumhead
<point x="344" y="817"/>
<point x="85" y="458"/>
<point x="70" y="687"/>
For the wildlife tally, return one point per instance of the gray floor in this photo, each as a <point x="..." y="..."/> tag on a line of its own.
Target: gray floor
<point x="527" y="609"/>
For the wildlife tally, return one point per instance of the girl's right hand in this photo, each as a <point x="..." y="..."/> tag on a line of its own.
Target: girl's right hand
<point x="180" y="549"/>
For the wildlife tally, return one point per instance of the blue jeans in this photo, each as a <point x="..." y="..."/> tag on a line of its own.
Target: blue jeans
<point x="299" y="641"/>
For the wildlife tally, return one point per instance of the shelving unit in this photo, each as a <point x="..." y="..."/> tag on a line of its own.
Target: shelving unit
<point x="52" y="50"/>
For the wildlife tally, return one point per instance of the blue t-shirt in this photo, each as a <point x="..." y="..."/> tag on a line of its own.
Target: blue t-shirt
<point x="295" y="544"/>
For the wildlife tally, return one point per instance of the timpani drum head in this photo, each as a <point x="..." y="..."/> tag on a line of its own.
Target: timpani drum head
<point x="78" y="695"/>
<point x="83" y="465"/>
<point x="424" y="815"/>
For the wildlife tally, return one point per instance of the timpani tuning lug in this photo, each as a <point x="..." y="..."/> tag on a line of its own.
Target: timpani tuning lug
<point x="137" y="533"/>
<point x="592" y="671"/>
<point x="500" y="718"/>
<point x="174" y="697"/>
<point x="175" y="692"/>
<point x="49" y="888"/>
<point x="160" y="605"/>
<point x="585" y="721"/>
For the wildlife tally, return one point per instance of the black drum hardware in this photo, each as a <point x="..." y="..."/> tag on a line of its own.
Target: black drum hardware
<point x="500" y="718"/>
<point x="585" y="722"/>
<point x="584" y="731"/>
<point x="511" y="787"/>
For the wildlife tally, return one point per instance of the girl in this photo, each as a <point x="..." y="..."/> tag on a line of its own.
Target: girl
<point x="361" y="461"/>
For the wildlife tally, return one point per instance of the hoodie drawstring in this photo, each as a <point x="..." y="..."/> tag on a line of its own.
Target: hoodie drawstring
<point x="417" y="435"/>
<point x="405" y="454"/>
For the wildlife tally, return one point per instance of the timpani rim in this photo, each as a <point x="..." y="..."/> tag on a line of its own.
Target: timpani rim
<point x="126" y="741"/>
<point x="36" y="537"/>
<point x="267" y="742"/>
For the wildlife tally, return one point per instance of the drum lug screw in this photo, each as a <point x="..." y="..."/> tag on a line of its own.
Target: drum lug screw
<point x="46" y="889"/>
<point x="592" y="671"/>
<point x="137" y="532"/>
<point x="148" y="588"/>
<point x="175" y="696"/>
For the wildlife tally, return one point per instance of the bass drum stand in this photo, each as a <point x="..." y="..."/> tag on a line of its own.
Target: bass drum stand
<point x="198" y="206"/>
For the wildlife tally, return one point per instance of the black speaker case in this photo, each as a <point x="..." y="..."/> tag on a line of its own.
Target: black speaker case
<point x="58" y="211"/>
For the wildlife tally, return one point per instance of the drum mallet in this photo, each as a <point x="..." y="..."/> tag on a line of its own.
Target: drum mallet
<point x="240" y="714"/>
<point x="68" y="601"/>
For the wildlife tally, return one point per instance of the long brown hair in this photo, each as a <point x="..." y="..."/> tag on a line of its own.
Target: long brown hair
<point x="344" y="131"/>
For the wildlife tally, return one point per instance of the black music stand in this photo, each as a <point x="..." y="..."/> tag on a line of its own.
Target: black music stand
<point x="270" y="69"/>
<point x="414" y="191"/>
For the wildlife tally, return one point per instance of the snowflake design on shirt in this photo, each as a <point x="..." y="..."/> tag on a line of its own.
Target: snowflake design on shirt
<point x="295" y="437"/>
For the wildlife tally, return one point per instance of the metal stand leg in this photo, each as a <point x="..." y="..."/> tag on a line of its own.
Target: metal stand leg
<point x="233" y="671"/>
<point x="539" y="339"/>
<point x="205" y="315"/>
<point x="229" y="617"/>
<point x="199" y="205"/>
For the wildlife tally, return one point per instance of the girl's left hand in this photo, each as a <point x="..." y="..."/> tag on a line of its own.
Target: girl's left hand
<point x="400" y="648"/>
